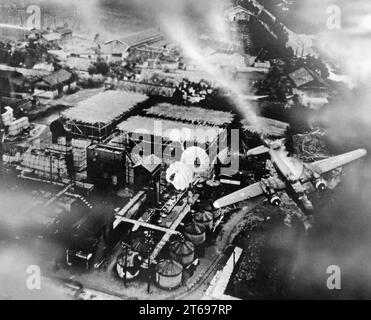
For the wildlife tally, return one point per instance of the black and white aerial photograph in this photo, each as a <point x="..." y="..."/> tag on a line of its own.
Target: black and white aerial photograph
<point x="185" y="150"/>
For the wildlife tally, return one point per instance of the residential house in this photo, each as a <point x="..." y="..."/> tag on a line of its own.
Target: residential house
<point x="53" y="37"/>
<point x="310" y="87"/>
<point x="56" y="83"/>
<point x="66" y="34"/>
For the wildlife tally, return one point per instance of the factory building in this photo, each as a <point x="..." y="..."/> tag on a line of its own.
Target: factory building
<point x="167" y="130"/>
<point x="119" y="48"/>
<point x="97" y="117"/>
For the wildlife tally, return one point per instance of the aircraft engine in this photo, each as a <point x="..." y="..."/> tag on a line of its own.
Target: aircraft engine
<point x="274" y="200"/>
<point x="273" y="197"/>
<point x="320" y="184"/>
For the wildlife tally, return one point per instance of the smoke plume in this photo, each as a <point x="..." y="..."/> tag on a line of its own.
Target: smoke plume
<point x="183" y="21"/>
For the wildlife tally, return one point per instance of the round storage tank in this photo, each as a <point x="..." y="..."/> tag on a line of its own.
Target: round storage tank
<point x="182" y="251"/>
<point x="195" y="233"/>
<point x="169" y="274"/>
<point x="205" y="218"/>
<point x="132" y="265"/>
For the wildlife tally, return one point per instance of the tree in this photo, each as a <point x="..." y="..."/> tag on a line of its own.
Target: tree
<point x="102" y="67"/>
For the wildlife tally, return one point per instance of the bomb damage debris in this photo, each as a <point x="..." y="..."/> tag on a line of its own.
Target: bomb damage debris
<point x="142" y="159"/>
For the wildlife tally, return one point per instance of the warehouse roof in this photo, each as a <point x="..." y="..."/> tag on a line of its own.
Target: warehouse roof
<point x="104" y="107"/>
<point x="170" y="130"/>
<point x="140" y="38"/>
<point x="268" y="127"/>
<point x="195" y="115"/>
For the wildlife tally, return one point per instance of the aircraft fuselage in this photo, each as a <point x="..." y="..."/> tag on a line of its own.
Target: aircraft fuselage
<point x="290" y="170"/>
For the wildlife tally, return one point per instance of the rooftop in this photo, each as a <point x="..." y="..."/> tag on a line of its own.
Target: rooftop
<point x="170" y="130"/>
<point x="104" y="107"/>
<point x="30" y="74"/>
<point x="140" y="38"/>
<point x="55" y="36"/>
<point x="57" y="77"/>
<point x="268" y="127"/>
<point x="195" y="115"/>
<point x="150" y="163"/>
<point x="305" y="76"/>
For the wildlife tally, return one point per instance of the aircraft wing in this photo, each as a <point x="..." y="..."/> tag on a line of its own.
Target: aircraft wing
<point x="249" y="192"/>
<point x="327" y="165"/>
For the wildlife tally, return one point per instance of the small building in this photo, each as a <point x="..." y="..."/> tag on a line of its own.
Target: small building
<point x="306" y="79"/>
<point x="147" y="174"/>
<point x="56" y="83"/>
<point x="53" y="37"/>
<point x="119" y="48"/>
<point x="106" y="166"/>
<point x="310" y="87"/>
<point x="66" y="33"/>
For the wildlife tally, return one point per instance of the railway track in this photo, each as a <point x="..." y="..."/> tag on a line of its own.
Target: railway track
<point x="217" y="263"/>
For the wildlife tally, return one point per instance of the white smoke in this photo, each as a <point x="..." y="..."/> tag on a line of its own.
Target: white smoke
<point x="350" y="47"/>
<point x="343" y="225"/>
<point x="183" y="21"/>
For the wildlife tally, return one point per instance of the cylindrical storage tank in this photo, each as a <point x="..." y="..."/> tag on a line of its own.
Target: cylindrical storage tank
<point x="195" y="233"/>
<point x="205" y="218"/>
<point x="132" y="265"/>
<point x="182" y="252"/>
<point x="169" y="274"/>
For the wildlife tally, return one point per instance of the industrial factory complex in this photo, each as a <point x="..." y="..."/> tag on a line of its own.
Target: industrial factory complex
<point x="127" y="156"/>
